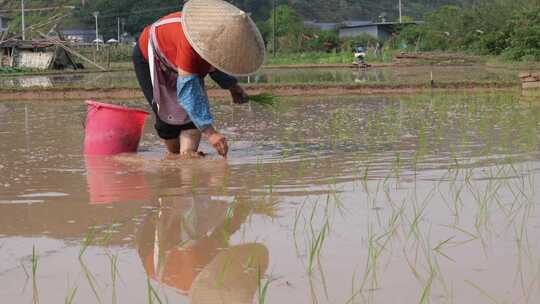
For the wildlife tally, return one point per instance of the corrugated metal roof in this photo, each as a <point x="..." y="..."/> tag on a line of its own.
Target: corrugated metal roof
<point x="26" y="44"/>
<point x="379" y="24"/>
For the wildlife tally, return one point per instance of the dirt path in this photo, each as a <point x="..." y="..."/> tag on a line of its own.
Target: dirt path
<point x="278" y="90"/>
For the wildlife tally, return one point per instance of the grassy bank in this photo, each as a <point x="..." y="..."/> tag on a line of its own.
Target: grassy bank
<point x="330" y="60"/>
<point x="121" y="63"/>
<point x="325" y="58"/>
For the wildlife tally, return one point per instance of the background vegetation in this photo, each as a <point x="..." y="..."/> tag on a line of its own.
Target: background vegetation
<point x="510" y="28"/>
<point x="499" y="27"/>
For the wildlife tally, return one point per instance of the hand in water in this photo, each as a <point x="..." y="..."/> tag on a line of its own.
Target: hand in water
<point x="219" y="142"/>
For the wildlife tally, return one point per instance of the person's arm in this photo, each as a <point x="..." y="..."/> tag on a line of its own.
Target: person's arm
<point x="193" y="99"/>
<point x="228" y="82"/>
<point x="224" y="80"/>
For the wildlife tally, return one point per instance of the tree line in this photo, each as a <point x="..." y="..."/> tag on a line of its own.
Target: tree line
<point x="510" y="28"/>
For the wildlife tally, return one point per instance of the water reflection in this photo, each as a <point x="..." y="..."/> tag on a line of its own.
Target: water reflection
<point x="184" y="238"/>
<point x="111" y="181"/>
<point x="372" y="199"/>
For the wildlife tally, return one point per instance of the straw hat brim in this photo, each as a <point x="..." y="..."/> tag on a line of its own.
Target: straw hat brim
<point x="224" y="36"/>
<point x="232" y="277"/>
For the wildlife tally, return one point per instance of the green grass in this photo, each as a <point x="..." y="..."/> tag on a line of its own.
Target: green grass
<point x="309" y="58"/>
<point x="323" y="58"/>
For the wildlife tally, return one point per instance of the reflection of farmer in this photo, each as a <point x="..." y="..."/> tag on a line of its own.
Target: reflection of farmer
<point x="173" y="56"/>
<point x="184" y="242"/>
<point x="185" y="246"/>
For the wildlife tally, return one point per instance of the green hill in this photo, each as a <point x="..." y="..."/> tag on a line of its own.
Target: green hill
<point x="137" y="13"/>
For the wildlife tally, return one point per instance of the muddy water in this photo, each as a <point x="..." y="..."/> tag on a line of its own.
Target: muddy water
<point x="409" y="75"/>
<point x="377" y="199"/>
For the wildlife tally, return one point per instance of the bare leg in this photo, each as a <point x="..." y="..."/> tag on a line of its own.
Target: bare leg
<point x="173" y="145"/>
<point x="189" y="141"/>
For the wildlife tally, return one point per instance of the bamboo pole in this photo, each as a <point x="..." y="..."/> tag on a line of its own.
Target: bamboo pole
<point x="73" y="52"/>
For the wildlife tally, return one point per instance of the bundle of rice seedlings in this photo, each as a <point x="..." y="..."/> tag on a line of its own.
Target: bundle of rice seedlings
<point x="265" y="99"/>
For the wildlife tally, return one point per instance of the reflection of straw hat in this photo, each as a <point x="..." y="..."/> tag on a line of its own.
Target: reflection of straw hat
<point x="232" y="277"/>
<point x="224" y="36"/>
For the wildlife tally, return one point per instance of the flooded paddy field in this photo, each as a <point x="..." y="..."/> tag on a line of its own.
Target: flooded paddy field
<point x="429" y="198"/>
<point x="403" y="75"/>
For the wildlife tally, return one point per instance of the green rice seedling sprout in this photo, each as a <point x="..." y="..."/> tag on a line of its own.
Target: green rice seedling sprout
<point x="227" y="225"/>
<point x="427" y="289"/>
<point x="105" y="239"/>
<point x="439" y="246"/>
<point x="35" y="257"/>
<point x="90" y="279"/>
<point x="412" y="267"/>
<point x="316" y="244"/>
<point x="323" y="278"/>
<point x="113" y="259"/>
<point x="152" y="294"/>
<point x="374" y="252"/>
<point x="265" y="99"/>
<point x="88" y="239"/>
<point x="297" y="214"/>
<point x="222" y="272"/>
<point x="484" y="293"/>
<point x="262" y="287"/>
<point x="313" y="292"/>
<point x="72" y="292"/>
<point x="354" y="294"/>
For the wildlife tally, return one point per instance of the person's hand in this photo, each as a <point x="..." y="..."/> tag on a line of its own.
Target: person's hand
<point x="238" y="94"/>
<point x="218" y="141"/>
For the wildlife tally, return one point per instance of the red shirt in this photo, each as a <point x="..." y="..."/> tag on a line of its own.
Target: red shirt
<point x="175" y="46"/>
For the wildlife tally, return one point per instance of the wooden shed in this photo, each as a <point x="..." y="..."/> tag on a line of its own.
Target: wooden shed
<point x="34" y="54"/>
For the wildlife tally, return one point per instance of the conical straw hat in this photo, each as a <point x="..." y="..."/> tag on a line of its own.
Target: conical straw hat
<point x="223" y="35"/>
<point x="232" y="277"/>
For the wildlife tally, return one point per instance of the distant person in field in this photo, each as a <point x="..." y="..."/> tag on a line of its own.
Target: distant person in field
<point x="172" y="58"/>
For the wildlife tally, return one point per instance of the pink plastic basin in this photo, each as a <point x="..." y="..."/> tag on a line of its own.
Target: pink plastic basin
<point x="112" y="129"/>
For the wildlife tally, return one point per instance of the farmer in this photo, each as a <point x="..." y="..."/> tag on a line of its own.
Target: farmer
<point x="172" y="58"/>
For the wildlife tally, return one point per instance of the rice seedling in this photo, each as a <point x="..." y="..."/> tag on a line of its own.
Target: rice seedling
<point x="322" y="277"/>
<point x="315" y="241"/>
<point x="439" y="246"/>
<point x="354" y="293"/>
<point x="88" y="240"/>
<point x="265" y="99"/>
<point x="427" y="289"/>
<point x="226" y="231"/>
<point x="263" y="285"/>
<point x="113" y="259"/>
<point x="71" y="293"/>
<point x="151" y="293"/>
<point x="220" y="278"/>
<point x="104" y="241"/>
<point x="483" y="292"/>
<point x="92" y="282"/>
<point x="297" y="214"/>
<point x="35" y="258"/>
